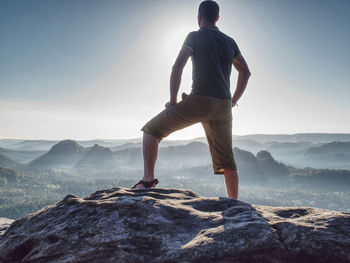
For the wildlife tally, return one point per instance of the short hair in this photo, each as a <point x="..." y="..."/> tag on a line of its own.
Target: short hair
<point x="209" y="10"/>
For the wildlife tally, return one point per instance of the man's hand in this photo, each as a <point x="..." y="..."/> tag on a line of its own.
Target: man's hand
<point x="234" y="104"/>
<point x="183" y="95"/>
<point x="169" y="104"/>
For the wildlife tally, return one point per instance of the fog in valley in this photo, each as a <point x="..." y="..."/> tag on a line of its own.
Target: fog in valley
<point x="278" y="170"/>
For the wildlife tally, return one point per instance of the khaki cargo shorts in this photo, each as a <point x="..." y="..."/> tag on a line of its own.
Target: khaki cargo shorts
<point x="215" y="114"/>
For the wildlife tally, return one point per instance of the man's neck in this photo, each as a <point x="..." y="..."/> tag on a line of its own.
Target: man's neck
<point x="207" y="25"/>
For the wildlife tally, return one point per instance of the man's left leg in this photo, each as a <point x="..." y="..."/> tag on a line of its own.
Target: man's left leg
<point x="219" y="135"/>
<point x="231" y="182"/>
<point x="220" y="146"/>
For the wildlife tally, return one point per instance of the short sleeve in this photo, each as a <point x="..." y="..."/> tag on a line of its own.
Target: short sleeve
<point x="236" y="49"/>
<point x="189" y="41"/>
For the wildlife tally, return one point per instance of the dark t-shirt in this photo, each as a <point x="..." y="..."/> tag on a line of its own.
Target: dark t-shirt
<point x="212" y="57"/>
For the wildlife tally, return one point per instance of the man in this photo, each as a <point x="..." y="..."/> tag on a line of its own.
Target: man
<point x="210" y="102"/>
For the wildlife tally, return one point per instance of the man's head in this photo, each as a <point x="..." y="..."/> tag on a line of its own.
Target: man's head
<point x="208" y="13"/>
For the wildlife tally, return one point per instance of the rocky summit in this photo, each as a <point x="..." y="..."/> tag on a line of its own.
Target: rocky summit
<point x="4" y="225"/>
<point x="174" y="225"/>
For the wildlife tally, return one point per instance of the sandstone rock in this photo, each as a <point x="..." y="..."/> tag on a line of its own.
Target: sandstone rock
<point x="4" y="225"/>
<point x="174" y="225"/>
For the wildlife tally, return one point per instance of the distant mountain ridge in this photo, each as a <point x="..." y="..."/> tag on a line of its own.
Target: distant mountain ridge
<point x="298" y="137"/>
<point x="21" y="156"/>
<point x="45" y="145"/>
<point x="333" y="148"/>
<point x="270" y="165"/>
<point x="177" y="154"/>
<point x="64" y="154"/>
<point x="96" y="156"/>
<point x="8" y="163"/>
<point x="260" y="168"/>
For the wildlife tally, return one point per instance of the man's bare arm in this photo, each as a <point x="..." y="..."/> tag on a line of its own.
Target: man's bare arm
<point x="243" y="75"/>
<point x="176" y="73"/>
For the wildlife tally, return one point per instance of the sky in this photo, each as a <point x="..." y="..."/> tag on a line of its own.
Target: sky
<point x="88" y="69"/>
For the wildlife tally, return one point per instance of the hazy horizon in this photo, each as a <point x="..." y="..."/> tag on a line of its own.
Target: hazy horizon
<point x="100" y="69"/>
<point x="171" y="138"/>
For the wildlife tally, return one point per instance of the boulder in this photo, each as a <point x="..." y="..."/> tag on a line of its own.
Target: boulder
<point x="4" y="225"/>
<point x="174" y="225"/>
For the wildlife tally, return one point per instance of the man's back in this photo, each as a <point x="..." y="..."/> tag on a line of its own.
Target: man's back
<point x="212" y="56"/>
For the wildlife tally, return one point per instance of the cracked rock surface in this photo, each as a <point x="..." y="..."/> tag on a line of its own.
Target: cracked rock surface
<point x="174" y="225"/>
<point x="4" y="224"/>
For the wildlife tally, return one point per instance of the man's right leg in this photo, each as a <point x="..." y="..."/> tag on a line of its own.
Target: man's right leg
<point x="231" y="182"/>
<point x="150" y="152"/>
<point x="190" y="110"/>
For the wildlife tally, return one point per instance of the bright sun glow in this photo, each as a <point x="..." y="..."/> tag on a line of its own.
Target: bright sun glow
<point x="106" y="69"/>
